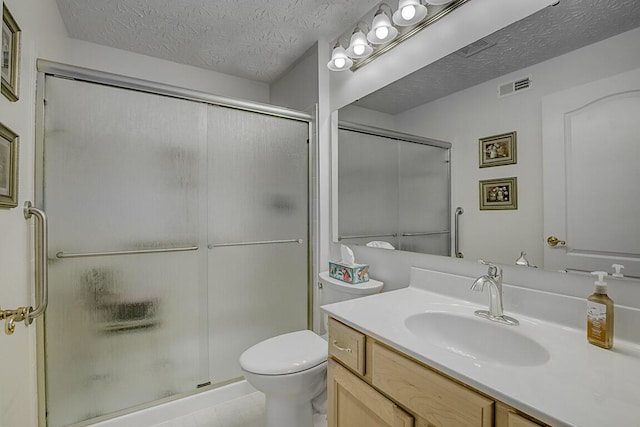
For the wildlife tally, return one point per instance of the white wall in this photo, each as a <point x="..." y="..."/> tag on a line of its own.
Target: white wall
<point x="298" y="87"/>
<point x="466" y="116"/>
<point x="44" y="36"/>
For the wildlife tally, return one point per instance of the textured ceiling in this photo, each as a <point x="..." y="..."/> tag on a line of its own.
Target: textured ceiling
<point x="552" y="31"/>
<point x="258" y="40"/>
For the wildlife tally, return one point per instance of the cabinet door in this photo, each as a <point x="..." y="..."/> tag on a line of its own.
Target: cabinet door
<point x="439" y="400"/>
<point x="353" y="403"/>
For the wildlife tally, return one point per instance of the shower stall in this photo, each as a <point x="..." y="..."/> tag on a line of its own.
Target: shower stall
<point x="178" y="237"/>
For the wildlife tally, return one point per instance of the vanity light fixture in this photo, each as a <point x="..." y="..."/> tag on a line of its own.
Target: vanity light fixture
<point x="382" y="31"/>
<point x="339" y="59"/>
<point x="359" y="46"/>
<point x="409" y="12"/>
<point x="388" y="29"/>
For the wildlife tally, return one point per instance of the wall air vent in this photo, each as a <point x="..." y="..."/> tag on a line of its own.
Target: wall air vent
<point x="514" y="86"/>
<point x="475" y="47"/>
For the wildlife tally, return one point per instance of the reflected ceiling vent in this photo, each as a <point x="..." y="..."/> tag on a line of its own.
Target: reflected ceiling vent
<point x="514" y="86"/>
<point x="475" y="47"/>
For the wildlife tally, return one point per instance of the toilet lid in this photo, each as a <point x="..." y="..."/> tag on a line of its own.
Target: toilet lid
<point x="285" y="354"/>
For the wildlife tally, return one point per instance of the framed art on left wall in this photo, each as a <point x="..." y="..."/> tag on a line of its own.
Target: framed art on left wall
<point x="8" y="168"/>
<point x="10" y="60"/>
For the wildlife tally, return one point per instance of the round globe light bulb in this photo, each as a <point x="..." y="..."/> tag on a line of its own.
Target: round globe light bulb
<point x="358" y="49"/>
<point x="382" y="32"/>
<point x="408" y="12"/>
<point x="339" y="62"/>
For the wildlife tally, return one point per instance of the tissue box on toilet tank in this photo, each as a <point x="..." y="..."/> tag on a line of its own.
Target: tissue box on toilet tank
<point x="356" y="273"/>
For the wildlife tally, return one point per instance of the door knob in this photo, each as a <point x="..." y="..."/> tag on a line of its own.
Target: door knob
<point x="554" y="241"/>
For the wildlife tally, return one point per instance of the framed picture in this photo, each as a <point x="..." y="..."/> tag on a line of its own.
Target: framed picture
<point x="8" y="168"/>
<point x="498" y="150"/>
<point x="498" y="194"/>
<point x="10" y="55"/>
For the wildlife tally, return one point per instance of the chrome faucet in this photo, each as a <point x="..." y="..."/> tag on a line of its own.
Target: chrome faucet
<point x="494" y="279"/>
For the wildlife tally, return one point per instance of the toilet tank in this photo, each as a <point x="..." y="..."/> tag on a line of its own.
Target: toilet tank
<point x="333" y="290"/>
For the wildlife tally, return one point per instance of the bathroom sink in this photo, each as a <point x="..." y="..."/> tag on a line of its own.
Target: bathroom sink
<point x="477" y="338"/>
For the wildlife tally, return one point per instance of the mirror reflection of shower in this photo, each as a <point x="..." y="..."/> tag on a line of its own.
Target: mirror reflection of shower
<point x="394" y="190"/>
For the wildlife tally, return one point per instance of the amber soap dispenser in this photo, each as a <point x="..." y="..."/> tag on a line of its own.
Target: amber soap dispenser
<point x="600" y="314"/>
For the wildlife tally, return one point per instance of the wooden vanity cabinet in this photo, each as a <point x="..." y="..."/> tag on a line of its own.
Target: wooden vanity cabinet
<point x="372" y="385"/>
<point x="354" y="403"/>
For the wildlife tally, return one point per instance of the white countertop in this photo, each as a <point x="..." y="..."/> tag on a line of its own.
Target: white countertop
<point x="579" y="385"/>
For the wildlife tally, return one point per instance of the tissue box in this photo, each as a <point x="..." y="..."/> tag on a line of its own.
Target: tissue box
<point x="357" y="273"/>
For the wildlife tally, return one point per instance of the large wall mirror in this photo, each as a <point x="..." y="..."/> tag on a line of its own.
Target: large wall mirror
<point x="565" y="82"/>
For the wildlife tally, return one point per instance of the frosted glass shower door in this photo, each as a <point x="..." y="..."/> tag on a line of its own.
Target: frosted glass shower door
<point x="121" y="174"/>
<point x="258" y="232"/>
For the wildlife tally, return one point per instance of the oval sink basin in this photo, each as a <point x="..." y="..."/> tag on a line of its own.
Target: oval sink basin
<point x="477" y="338"/>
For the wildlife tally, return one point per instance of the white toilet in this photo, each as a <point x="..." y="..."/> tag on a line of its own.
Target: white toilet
<point x="291" y="369"/>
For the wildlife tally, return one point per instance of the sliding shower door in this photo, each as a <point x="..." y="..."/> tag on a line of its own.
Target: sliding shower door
<point x="258" y="226"/>
<point x="178" y="238"/>
<point x="121" y="191"/>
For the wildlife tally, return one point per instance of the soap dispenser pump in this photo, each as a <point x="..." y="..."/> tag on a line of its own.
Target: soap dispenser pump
<point x="600" y="314"/>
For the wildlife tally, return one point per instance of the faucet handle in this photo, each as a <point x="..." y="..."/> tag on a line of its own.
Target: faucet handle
<point x="494" y="270"/>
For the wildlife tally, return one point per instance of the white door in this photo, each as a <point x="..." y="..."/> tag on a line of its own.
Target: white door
<point x="591" y="175"/>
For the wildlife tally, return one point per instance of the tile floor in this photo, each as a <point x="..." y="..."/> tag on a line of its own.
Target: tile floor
<point x="246" y="411"/>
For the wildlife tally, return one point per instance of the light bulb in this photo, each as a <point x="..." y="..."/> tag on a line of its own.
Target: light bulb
<point x="382" y="32"/>
<point x="408" y="12"/>
<point x="358" y="49"/>
<point x="340" y="62"/>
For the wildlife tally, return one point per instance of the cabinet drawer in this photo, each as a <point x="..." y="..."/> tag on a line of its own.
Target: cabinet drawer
<point x="346" y="345"/>
<point x="437" y="399"/>
<point x="516" y="420"/>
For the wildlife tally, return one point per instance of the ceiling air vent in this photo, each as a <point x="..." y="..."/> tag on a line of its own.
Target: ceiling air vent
<point x="514" y="86"/>
<point x="475" y="47"/>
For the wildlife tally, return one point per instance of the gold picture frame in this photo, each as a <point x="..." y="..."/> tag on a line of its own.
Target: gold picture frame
<point x="498" y="150"/>
<point x="8" y="168"/>
<point x="499" y="194"/>
<point x="10" y="60"/>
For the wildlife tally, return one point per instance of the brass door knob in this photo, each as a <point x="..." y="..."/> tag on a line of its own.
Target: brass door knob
<point x="554" y="241"/>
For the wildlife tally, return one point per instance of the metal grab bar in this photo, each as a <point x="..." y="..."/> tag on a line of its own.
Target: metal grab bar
<point x="263" y="242"/>
<point x="42" y="273"/>
<point x="62" y="255"/>
<point x="368" y="235"/>
<point x="27" y="314"/>
<point x="459" y="211"/>
<point x="425" y="233"/>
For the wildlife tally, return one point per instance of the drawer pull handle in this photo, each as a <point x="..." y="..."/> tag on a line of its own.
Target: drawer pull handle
<point x="346" y="349"/>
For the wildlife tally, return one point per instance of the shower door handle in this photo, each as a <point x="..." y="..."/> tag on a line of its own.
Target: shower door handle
<point x="261" y="242"/>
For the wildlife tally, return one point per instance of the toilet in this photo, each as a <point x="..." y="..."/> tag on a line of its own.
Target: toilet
<point x="291" y="369"/>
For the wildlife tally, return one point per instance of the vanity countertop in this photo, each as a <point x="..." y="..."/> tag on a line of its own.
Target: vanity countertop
<point x="577" y="385"/>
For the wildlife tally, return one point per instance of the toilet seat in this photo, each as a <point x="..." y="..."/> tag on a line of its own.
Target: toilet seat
<point x="285" y="354"/>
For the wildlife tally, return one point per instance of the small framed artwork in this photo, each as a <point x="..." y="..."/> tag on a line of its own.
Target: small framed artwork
<point x="499" y="194"/>
<point x="498" y="150"/>
<point x="8" y="168"/>
<point x="10" y="55"/>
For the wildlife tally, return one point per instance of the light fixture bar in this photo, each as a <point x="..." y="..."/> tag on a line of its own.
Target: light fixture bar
<point x="413" y="31"/>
